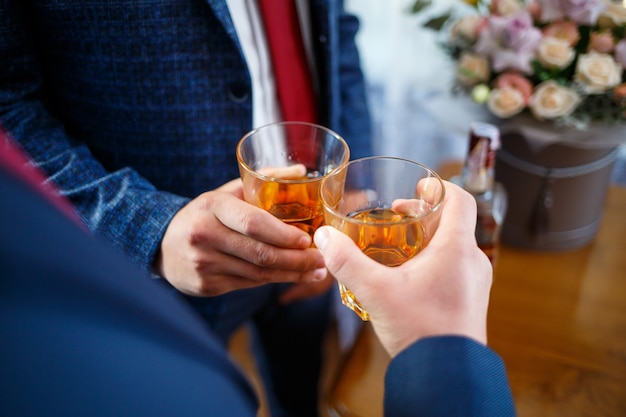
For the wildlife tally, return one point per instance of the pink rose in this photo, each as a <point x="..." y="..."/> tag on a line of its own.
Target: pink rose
<point x="510" y="41"/>
<point x="516" y="81"/>
<point x="534" y="8"/>
<point x="563" y="29"/>
<point x="601" y="42"/>
<point x="521" y="34"/>
<point x="580" y="11"/>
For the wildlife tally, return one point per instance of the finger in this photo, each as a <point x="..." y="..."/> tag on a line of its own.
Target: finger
<point x="458" y="215"/>
<point x="430" y="190"/>
<point x="344" y="260"/>
<point x="223" y="283"/>
<point x="221" y="273"/>
<point x="258" y="224"/>
<point x="259" y="257"/>
<point x="284" y="173"/>
<point x="410" y="207"/>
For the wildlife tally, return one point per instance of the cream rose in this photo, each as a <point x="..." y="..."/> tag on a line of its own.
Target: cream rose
<point x="597" y="72"/>
<point x="505" y="102"/>
<point x="550" y="100"/>
<point x="506" y="7"/>
<point x="614" y="15"/>
<point x="466" y="29"/>
<point x="472" y="69"/>
<point x="555" y="52"/>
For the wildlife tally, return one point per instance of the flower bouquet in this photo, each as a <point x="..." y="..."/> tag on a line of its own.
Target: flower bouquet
<point x="552" y="75"/>
<point x="559" y="60"/>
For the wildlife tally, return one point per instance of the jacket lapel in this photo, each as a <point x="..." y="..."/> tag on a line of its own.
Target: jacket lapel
<point x="220" y="9"/>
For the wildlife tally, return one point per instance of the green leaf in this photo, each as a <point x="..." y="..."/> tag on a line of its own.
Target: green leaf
<point x="420" y="5"/>
<point x="619" y="32"/>
<point x="436" y="23"/>
<point x="585" y="35"/>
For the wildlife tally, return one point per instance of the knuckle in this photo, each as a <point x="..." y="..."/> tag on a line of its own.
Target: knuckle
<point x="250" y="223"/>
<point x="196" y="237"/>
<point x="264" y="255"/>
<point x="206" y="201"/>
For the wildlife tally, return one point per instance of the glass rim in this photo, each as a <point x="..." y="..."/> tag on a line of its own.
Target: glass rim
<point x="433" y="208"/>
<point x="263" y="177"/>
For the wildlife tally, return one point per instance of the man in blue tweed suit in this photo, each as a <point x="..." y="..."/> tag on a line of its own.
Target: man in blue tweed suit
<point x="133" y="110"/>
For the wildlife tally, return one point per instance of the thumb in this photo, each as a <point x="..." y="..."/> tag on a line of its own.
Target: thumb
<point x="344" y="260"/>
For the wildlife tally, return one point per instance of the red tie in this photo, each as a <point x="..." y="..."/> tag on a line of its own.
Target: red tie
<point x="291" y="71"/>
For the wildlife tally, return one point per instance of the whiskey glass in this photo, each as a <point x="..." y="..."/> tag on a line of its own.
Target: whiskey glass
<point x="388" y="206"/>
<point x="282" y="165"/>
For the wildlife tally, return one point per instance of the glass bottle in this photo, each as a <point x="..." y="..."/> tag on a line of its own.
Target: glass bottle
<point x="478" y="178"/>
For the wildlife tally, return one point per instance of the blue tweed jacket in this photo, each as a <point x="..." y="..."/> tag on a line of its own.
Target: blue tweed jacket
<point x="134" y="107"/>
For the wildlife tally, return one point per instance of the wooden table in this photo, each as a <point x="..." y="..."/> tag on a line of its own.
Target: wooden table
<point x="558" y="319"/>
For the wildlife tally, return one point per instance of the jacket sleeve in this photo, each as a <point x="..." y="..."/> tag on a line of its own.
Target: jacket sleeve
<point x="82" y="340"/>
<point x="355" y="119"/>
<point x="447" y="376"/>
<point x="121" y="205"/>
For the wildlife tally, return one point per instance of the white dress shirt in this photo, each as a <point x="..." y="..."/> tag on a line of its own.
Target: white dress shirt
<point x="251" y="33"/>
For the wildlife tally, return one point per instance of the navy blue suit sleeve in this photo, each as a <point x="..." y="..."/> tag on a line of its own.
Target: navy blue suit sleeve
<point x="447" y="376"/>
<point x="78" y="340"/>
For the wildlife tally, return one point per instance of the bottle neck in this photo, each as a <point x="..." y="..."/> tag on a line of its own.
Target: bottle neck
<point x="478" y="172"/>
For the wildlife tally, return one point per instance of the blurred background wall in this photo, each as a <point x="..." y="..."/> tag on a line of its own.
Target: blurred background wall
<point x="409" y="78"/>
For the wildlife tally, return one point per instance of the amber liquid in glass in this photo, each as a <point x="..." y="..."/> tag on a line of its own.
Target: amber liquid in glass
<point x="296" y="203"/>
<point x="386" y="236"/>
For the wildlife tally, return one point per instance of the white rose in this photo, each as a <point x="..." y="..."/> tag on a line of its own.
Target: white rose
<point x="472" y="69"/>
<point x="507" y="7"/>
<point x="555" y="52"/>
<point x="550" y="100"/>
<point x="613" y="16"/>
<point x="505" y="102"/>
<point x="597" y="72"/>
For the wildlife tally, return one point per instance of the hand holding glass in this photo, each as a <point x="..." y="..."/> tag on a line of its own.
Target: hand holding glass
<point x="282" y="165"/>
<point x="388" y="206"/>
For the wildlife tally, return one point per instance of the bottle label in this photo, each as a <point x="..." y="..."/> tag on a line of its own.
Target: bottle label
<point x="481" y="155"/>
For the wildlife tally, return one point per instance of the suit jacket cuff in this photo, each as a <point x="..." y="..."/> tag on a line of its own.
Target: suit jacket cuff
<point x="447" y="376"/>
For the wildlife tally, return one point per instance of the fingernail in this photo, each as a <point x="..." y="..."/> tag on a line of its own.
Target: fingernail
<point x="319" y="274"/>
<point x="305" y="241"/>
<point x="321" y="238"/>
